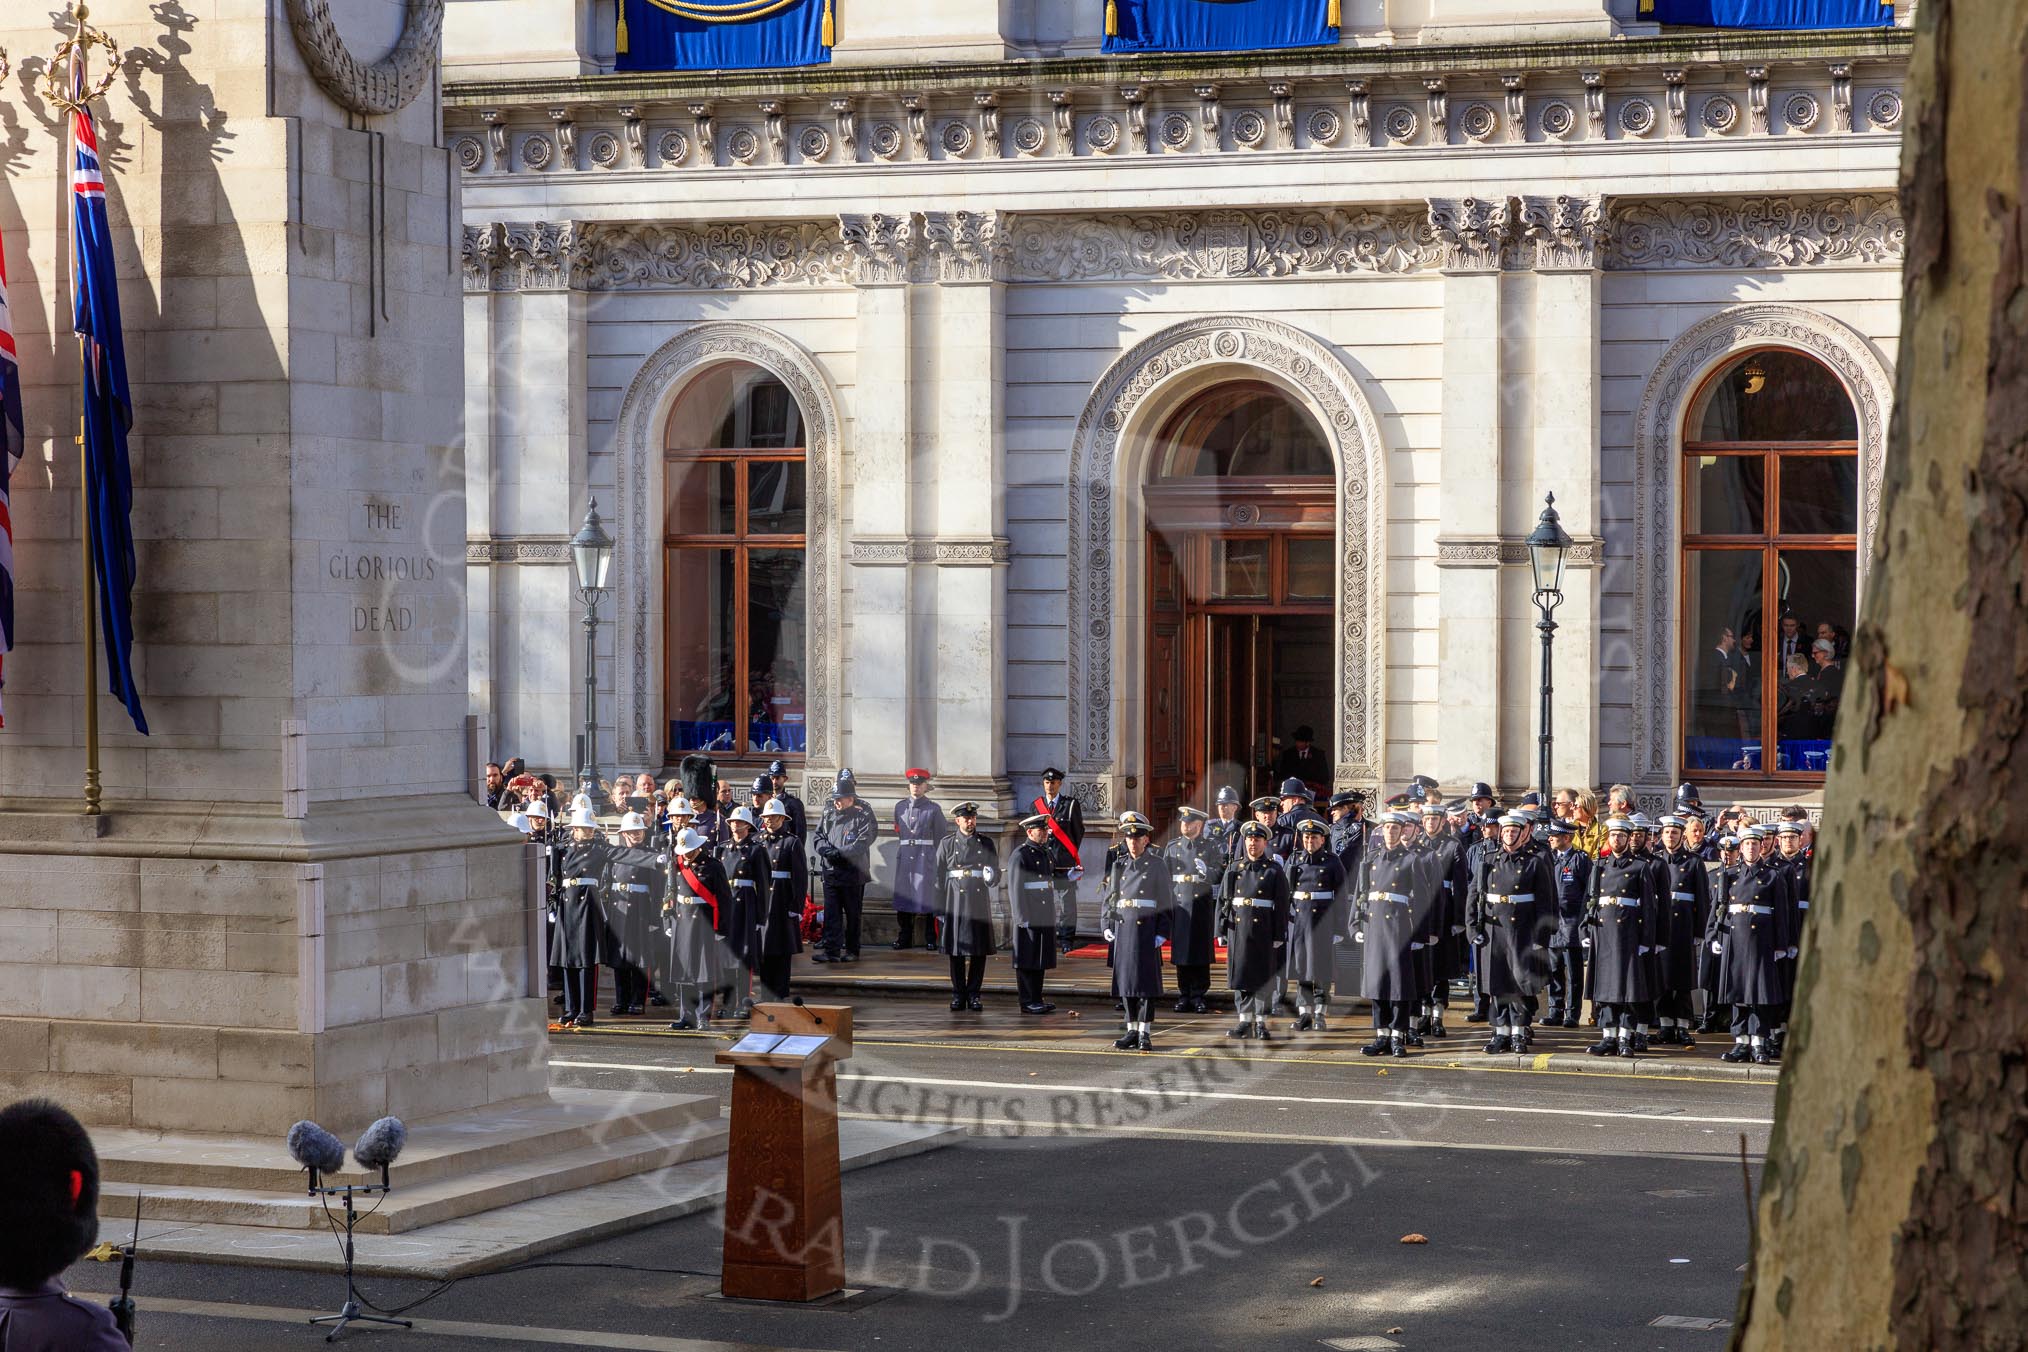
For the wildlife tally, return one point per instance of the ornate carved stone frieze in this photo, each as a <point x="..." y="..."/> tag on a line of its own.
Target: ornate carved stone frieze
<point x="524" y="256"/>
<point x="387" y="85"/>
<point x="621" y="257"/>
<point x="1220" y="244"/>
<point x="880" y="246"/>
<point x="876" y="551"/>
<point x="1493" y="551"/>
<point x="967" y="246"/>
<point x="518" y="549"/>
<point x="1565" y="230"/>
<point x="1757" y="232"/>
<point x="1470" y="231"/>
<point x="482" y="254"/>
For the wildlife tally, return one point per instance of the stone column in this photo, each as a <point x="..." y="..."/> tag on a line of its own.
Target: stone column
<point x="1472" y="233"/>
<point x="965" y="626"/>
<point x="1566" y="236"/>
<point x="880" y="656"/>
<point x="291" y="908"/>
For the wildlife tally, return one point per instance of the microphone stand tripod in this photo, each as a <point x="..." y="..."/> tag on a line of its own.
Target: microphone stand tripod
<point x="353" y="1310"/>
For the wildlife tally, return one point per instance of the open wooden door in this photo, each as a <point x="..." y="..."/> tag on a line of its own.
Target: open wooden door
<point x="1167" y="667"/>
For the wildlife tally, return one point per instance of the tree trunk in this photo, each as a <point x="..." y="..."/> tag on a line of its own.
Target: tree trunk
<point x="1893" y="1202"/>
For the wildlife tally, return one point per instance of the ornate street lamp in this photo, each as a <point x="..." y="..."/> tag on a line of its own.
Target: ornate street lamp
<point x="591" y="555"/>
<point x="1548" y="545"/>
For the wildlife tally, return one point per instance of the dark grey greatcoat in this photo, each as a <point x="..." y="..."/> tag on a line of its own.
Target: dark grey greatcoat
<point x="1031" y="904"/>
<point x="746" y="872"/>
<point x="1513" y="915"/>
<point x="694" y="921"/>
<point x="967" y="869"/>
<point x="1622" y="918"/>
<point x="1390" y="916"/>
<point x="920" y="826"/>
<point x="633" y="899"/>
<point x="1255" y="896"/>
<point x="1318" y="913"/>
<point x="1140" y="905"/>
<point x="1446" y="942"/>
<point x="1752" y="926"/>
<point x="1194" y="868"/>
<point x="578" y="938"/>
<point x="778" y="918"/>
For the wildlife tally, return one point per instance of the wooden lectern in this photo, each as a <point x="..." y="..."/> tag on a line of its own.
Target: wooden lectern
<point x="784" y="1232"/>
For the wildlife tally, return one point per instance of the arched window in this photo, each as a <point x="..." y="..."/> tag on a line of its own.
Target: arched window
<point x="733" y="576"/>
<point x="1770" y="566"/>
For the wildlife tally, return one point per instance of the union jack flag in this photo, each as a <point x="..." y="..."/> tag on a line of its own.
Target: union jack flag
<point x="11" y="442"/>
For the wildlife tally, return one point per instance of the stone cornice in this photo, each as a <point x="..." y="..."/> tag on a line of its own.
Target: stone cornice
<point x="1407" y="62"/>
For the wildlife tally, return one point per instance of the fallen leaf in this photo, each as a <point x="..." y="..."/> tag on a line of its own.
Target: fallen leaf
<point x="1397" y="1329"/>
<point x="1316" y="1281"/>
<point x="1415" y="1239"/>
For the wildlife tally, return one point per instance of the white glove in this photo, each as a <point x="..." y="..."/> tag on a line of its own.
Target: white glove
<point x="1358" y="936"/>
<point x="1076" y="872"/>
<point x="990" y="875"/>
<point x="1585" y="942"/>
<point x="1202" y="870"/>
<point x="662" y="858"/>
<point x="1414" y="947"/>
<point x="1717" y="947"/>
<point x="1643" y="950"/>
<point x="1109" y="936"/>
<point x="1457" y="929"/>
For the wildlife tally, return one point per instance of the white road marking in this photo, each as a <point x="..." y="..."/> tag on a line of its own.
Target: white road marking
<point x="1440" y="1106"/>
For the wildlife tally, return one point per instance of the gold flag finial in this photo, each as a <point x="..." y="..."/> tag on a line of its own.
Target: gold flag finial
<point x="57" y="81"/>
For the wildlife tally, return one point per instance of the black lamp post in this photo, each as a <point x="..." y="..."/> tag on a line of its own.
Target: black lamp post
<point x="591" y="555"/>
<point x="1548" y="544"/>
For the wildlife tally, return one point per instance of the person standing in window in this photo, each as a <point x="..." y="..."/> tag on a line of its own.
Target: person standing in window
<point x="1827" y="684"/>
<point x="1718" y="689"/>
<point x="1305" y="762"/>
<point x="1790" y="641"/>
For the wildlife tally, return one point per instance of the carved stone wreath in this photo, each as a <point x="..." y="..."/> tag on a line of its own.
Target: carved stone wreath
<point x="389" y="84"/>
<point x="741" y="145"/>
<point x="470" y="154"/>
<point x="604" y="149"/>
<point x="1324" y="126"/>
<point x="638" y="532"/>
<point x="1028" y="136"/>
<point x="956" y="138"/>
<point x="813" y="143"/>
<point x="1719" y="114"/>
<point x="1884" y="110"/>
<point x="1400" y="124"/>
<point x="1637" y="117"/>
<point x="1102" y="134"/>
<point x="1801" y="111"/>
<point x="537" y="151"/>
<point x="1559" y="120"/>
<point x="672" y="147"/>
<point x="1100" y="466"/>
<point x="1656" y="473"/>
<point x="885" y="143"/>
<point x="1249" y="128"/>
<point x="1478" y="122"/>
<point x="1175" y="132"/>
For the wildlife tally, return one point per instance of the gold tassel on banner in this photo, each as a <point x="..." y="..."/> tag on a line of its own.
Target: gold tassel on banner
<point x="1647" y="6"/>
<point x="1112" y="19"/>
<point x="830" y="26"/>
<point x="620" y="31"/>
<point x="1333" y="18"/>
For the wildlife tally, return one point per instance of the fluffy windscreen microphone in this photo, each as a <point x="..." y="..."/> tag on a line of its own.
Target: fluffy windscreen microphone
<point x="380" y="1143"/>
<point x="315" y="1148"/>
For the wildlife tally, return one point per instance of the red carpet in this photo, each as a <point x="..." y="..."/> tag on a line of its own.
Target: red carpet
<point x="1098" y="950"/>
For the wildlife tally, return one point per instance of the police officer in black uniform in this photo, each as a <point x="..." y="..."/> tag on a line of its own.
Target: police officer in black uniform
<point x="1390" y="916"/>
<point x="1255" y="920"/>
<point x="844" y="844"/>
<point x="1621" y="921"/>
<point x="1031" y="898"/>
<point x="1512" y="916"/>
<point x="1319" y="916"/>
<point x="1751" y="937"/>
<point x="967" y="870"/>
<point x="1140" y="904"/>
<point x="799" y="815"/>
<point x="1223" y="828"/>
<point x="1572" y="869"/>
<point x="1195" y="864"/>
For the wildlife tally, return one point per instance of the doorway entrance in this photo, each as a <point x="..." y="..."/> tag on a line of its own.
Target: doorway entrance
<point x="1241" y="512"/>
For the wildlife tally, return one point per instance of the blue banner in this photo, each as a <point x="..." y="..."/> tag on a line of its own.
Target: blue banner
<point x="1771" y="13"/>
<point x="722" y="34"/>
<point x="1217" y="25"/>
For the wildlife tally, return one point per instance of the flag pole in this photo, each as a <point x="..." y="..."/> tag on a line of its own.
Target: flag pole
<point x="76" y="95"/>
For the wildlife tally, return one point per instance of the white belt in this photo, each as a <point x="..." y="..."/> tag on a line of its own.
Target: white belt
<point x="779" y="873"/>
<point x="1037" y="887"/>
<point x="634" y="887"/>
<point x="1631" y="903"/>
<point x="1266" y="902"/>
<point x="1313" y="896"/>
<point x="1131" y="903"/>
<point x="1682" y="896"/>
<point x="1509" y="898"/>
<point x="692" y="901"/>
<point x="968" y="873"/>
<point x="580" y="882"/>
<point x="1182" y="877"/>
<point x="1736" y="908"/>
<point x="1398" y="898"/>
<point x="1802" y="905"/>
<point x="918" y="842"/>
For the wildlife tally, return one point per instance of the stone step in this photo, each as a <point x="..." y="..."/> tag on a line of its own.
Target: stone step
<point x="446" y="1199"/>
<point x="454" y="1146"/>
<point x="499" y="1238"/>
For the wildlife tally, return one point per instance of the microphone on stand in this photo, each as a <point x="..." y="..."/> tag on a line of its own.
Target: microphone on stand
<point x="379" y="1144"/>
<point x="316" y="1150"/>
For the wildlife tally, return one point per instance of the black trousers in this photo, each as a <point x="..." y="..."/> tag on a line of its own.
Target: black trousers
<point x="580" y="990"/>
<point x="843" y="903"/>
<point x="1754" y="1020"/>
<point x="630" y="985"/>
<point x="1029" y="980"/>
<point x="905" y="927"/>
<point x="1566" y="981"/>
<point x="1621" y="1015"/>
<point x="1140" y="1009"/>
<point x="1066" y="911"/>
<point x="967" y="975"/>
<point x="772" y="972"/>
<point x="1390" y="1014"/>
<point x="1675" y="1005"/>
<point x="1517" y="1010"/>
<point x="1193" y="980"/>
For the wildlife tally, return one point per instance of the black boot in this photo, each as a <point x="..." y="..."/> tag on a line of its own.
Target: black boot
<point x="1127" y="1041"/>
<point x="1377" y="1047"/>
<point x="1605" y="1046"/>
<point x="1500" y="1043"/>
<point x="1147" y="1043"/>
<point x="1737" y="1053"/>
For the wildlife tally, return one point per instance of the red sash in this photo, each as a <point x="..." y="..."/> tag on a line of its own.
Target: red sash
<point x="1056" y="829"/>
<point x="701" y="890"/>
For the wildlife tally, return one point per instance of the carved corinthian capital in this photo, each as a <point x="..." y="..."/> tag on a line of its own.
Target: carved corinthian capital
<point x="1568" y="232"/>
<point x="967" y="246"/>
<point x="1471" y="231"/>
<point x="881" y="245"/>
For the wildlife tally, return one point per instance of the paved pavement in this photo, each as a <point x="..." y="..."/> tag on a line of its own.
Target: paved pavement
<point x="1179" y="1200"/>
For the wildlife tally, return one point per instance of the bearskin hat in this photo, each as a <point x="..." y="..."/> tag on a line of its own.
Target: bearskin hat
<point x="49" y="1193"/>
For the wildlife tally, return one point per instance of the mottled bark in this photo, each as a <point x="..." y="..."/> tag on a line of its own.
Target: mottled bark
<point x="1894" y="1206"/>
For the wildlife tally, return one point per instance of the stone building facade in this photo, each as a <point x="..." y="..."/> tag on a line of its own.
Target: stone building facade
<point x="1471" y="256"/>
